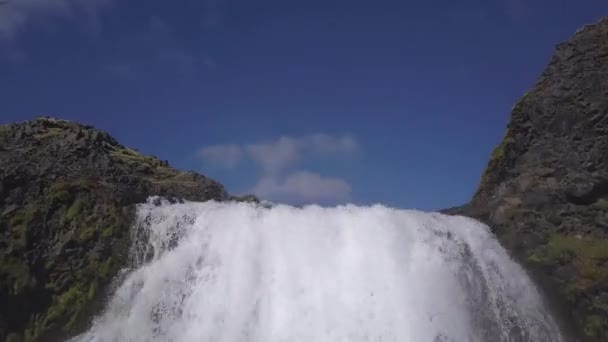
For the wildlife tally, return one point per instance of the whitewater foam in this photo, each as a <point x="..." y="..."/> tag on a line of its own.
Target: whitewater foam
<point x="240" y="272"/>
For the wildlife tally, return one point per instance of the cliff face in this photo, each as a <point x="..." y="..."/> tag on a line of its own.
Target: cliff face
<point x="545" y="189"/>
<point x="66" y="203"/>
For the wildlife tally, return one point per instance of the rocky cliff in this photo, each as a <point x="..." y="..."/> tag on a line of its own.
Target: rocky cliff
<point x="66" y="203"/>
<point x="545" y="189"/>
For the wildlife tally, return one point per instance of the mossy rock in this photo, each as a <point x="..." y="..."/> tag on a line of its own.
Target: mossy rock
<point x="17" y="274"/>
<point x="553" y="157"/>
<point x="76" y="210"/>
<point x="66" y="307"/>
<point x="67" y="197"/>
<point x="499" y="150"/>
<point x="588" y="255"/>
<point x="50" y="133"/>
<point x="4" y="129"/>
<point x="19" y="223"/>
<point x="588" y="258"/>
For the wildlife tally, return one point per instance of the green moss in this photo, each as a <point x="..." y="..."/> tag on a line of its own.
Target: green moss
<point x="83" y="220"/>
<point x="496" y="160"/>
<point x="129" y="155"/>
<point x="587" y="255"/>
<point x="535" y="258"/>
<point x="18" y="274"/>
<point x="582" y="249"/>
<point x="66" y="308"/>
<point x="87" y="209"/>
<point x="111" y="222"/>
<point x="52" y="120"/>
<point x="19" y="223"/>
<point x="60" y="192"/>
<point x="528" y="96"/>
<point x="499" y="150"/>
<point x="30" y="335"/>
<point x="129" y="152"/>
<point x="50" y="133"/>
<point x="49" y="264"/>
<point x="64" y="192"/>
<point x="50" y="286"/>
<point x="164" y="173"/>
<point x="24" y="215"/>
<point x="86" y="233"/>
<point x="106" y="268"/>
<point x="74" y="210"/>
<point x="36" y="327"/>
<point x="92" y="291"/>
<point x="107" y="232"/>
<point x="594" y="326"/>
<point x="601" y="204"/>
<point x="13" y="337"/>
<point x="132" y="157"/>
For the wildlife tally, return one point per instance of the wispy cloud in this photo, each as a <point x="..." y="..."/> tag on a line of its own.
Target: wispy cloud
<point x="15" y="15"/>
<point x="274" y="156"/>
<point x="159" y="46"/>
<point x="277" y="159"/>
<point x="303" y="186"/>
<point x="226" y="156"/>
<point x="328" y="145"/>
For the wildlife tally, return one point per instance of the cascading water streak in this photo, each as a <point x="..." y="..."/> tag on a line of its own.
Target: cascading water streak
<point x="242" y="272"/>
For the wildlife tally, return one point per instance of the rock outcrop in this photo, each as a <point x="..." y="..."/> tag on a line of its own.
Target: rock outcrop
<point x="67" y="195"/>
<point x="545" y="189"/>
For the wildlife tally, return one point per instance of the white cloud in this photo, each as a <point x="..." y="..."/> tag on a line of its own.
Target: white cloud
<point x="226" y="156"/>
<point x="276" y="155"/>
<point x="326" y="144"/>
<point x="276" y="158"/>
<point x="15" y="15"/>
<point x="303" y="186"/>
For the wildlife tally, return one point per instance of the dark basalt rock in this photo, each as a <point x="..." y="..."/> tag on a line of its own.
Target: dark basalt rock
<point x="66" y="204"/>
<point x="545" y="189"/>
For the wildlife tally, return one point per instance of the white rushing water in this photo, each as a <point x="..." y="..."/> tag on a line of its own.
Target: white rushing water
<point x="241" y="272"/>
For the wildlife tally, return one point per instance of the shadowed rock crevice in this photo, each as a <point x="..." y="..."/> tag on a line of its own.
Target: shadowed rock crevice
<point x="590" y="194"/>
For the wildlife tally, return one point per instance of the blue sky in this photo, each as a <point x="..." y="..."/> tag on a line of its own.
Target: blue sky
<point x="395" y="102"/>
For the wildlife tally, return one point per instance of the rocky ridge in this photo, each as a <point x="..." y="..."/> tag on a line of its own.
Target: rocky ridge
<point x="67" y="195"/>
<point x="545" y="189"/>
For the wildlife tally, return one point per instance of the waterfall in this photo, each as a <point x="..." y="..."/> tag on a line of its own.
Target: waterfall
<point x="244" y="272"/>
